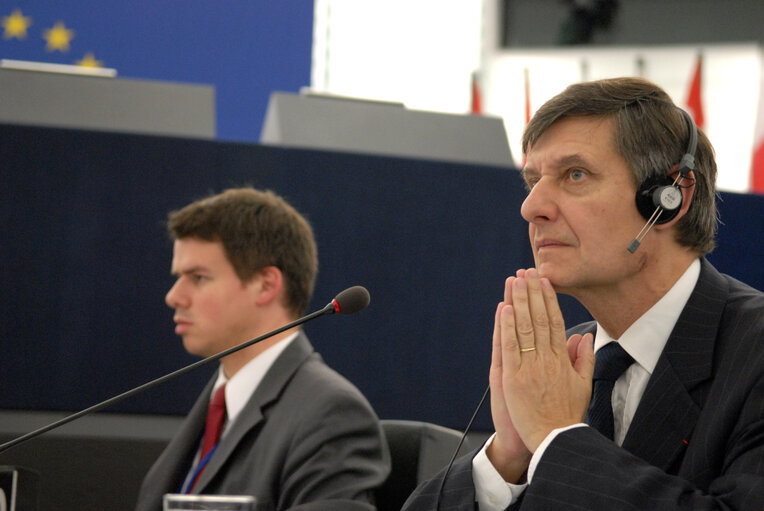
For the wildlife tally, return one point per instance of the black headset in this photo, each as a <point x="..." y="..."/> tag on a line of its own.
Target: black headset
<point x="659" y="198"/>
<point x="660" y="195"/>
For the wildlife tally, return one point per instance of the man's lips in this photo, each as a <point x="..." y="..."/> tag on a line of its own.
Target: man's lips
<point x="182" y="325"/>
<point x="549" y="243"/>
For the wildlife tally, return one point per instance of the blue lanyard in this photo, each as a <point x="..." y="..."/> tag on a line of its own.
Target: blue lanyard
<point x="202" y="463"/>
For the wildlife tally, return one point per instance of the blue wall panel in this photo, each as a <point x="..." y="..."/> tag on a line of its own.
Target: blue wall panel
<point x="85" y="259"/>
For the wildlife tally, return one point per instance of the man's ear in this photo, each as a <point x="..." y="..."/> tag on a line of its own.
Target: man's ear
<point x="687" y="187"/>
<point x="269" y="285"/>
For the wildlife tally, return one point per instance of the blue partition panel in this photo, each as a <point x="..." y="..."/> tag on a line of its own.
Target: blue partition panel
<point x="85" y="258"/>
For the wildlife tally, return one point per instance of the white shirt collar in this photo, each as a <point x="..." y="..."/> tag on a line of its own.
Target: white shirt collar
<point x="242" y="385"/>
<point x="645" y="339"/>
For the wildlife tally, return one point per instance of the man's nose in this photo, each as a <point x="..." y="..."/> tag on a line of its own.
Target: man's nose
<point x="175" y="297"/>
<point x="540" y="205"/>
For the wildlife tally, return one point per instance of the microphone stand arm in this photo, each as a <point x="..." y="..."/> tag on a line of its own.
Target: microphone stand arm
<point x="328" y="309"/>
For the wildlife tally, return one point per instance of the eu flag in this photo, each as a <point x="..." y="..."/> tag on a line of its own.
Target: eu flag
<point x="245" y="48"/>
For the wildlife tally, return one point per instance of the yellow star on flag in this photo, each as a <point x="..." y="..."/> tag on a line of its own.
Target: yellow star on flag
<point x="16" y="25"/>
<point x="89" y="60"/>
<point x="58" y="37"/>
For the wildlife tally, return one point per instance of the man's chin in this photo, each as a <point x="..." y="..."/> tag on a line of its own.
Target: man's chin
<point x="549" y="271"/>
<point x="560" y="280"/>
<point x="195" y="347"/>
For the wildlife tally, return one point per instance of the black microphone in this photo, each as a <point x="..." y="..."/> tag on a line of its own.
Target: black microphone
<point x="353" y="299"/>
<point x="634" y="245"/>
<point x="349" y="301"/>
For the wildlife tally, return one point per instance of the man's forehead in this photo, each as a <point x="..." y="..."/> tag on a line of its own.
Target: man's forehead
<point x="572" y="141"/>
<point x="588" y="126"/>
<point x="191" y="254"/>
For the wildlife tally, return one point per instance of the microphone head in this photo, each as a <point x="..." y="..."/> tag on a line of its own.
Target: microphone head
<point x="351" y="300"/>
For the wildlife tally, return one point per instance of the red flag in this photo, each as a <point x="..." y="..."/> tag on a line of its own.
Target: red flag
<point x="527" y="85"/>
<point x="476" y="106"/>
<point x="526" y="75"/>
<point x="757" y="167"/>
<point x="757" y="173"/>
<point x="694" y="98"/>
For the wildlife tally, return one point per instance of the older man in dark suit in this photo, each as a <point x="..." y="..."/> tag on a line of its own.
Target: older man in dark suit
<point x="659" y="403"/>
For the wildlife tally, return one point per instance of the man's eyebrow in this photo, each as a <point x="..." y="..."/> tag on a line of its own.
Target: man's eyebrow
<point x="187" y="271"/>
<point x="527" y="172"/>
<point x="572" y="159"/>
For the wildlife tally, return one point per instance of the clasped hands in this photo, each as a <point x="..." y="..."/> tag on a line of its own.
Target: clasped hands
<point x="539" y="380"/>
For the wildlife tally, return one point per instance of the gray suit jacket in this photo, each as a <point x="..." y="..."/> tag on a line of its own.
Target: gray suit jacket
<point x="307" y="439"/>
<point x="696" y="441"/>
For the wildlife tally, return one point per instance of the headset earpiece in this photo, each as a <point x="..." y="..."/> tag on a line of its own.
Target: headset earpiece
<point x="663" y="192"/>
<point x="659" y="192"/>
<point x="659" y="198"/>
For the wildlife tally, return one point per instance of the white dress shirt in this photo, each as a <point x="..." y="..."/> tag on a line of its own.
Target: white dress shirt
<point x="644" y="340"/>
<point x="241" y="386"/>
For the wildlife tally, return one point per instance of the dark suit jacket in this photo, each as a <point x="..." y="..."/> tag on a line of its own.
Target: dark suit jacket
<point x="697" y="438"/>
<point x="307" y="439"/>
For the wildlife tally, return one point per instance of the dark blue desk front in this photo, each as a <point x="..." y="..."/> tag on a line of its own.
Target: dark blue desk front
<point x="84" y="266"/>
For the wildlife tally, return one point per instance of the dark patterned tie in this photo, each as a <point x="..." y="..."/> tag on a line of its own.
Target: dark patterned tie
<point x="612" y="361"/>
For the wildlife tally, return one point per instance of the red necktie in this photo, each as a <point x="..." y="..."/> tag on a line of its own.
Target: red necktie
<point x="212" y="430"/>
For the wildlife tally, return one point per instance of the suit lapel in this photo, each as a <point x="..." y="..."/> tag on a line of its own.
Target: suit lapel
<point x="172" y="466"/>
<point x="673" y="399"/>
<point x="251" y="416"/>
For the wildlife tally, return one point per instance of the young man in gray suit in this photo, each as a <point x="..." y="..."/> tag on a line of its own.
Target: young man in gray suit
<point x="680" y="425"/>
<point x="294" y="432"/>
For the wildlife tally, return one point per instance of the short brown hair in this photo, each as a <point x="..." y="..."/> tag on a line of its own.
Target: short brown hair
<point x="257" y="229"/>
<point x="651" y="134"/>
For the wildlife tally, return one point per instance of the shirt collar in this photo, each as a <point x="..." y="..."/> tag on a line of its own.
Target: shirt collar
<point x="242" y="385"/>
<point x="645" y="339"/>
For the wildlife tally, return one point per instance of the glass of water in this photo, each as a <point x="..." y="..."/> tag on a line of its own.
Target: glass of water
<point x="180" y="502"/>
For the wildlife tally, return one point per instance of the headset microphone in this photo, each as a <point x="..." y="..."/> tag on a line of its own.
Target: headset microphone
<point x="658" y="198"/>
<point x="665" y="198"/>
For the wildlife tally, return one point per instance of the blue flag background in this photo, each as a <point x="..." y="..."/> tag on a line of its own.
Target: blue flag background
<point x="245" y="48"/>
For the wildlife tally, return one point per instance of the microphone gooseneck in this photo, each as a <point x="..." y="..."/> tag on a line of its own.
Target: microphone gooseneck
<point x="459" y="446"/>
<point x="349" y="301"/>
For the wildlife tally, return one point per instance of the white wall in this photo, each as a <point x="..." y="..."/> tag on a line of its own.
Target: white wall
<point x="417" y="52"/>
<point x="730" y="80"/>
<point x="423" y="52"/>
